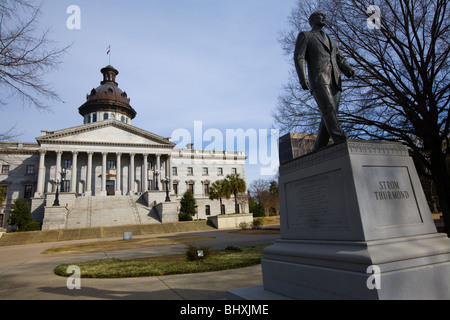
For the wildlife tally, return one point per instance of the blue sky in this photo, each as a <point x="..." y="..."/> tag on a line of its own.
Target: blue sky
<point x="180" y="61"/>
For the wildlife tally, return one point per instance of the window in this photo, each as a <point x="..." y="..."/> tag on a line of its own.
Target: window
<point x="65" y="186"/>
<point x="30" y="169"/>
<point x="205" y="171"/>
<point x="150" y="185"/>
<point x="206" y="189"/>
<point x="175" y="188"/>
<point x="105" y="116"/>
<point x="191" y="187"/>
<point x="94" y="117"/>
<point x="5" y="169"/>
<point x="233" y="170"/>
<point x="67" y="164"/>
<point x="89" y="119"/>
<point x="113" y="116"/>
<point x="207" y="210"/>
<point x="111" y="164"/>
<point x="122" y="118"/>
<point x="149" y="165"/>
<point x="190" y="171"/>
<point x="28" y="191"/>
<point x="220" y="171"/>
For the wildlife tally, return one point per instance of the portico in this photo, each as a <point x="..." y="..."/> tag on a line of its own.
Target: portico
<point x="105" y="172"/>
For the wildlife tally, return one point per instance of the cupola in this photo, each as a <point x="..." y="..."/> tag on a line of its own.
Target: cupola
<point x="107" y="101"/>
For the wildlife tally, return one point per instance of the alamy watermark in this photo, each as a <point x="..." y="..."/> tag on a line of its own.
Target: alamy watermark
<point x="260" y="145"/>
<point x="374" y="281"/>
<point x="74" y="281"/>
<point x="374" y="21"/>
<point x="73" y="22"/>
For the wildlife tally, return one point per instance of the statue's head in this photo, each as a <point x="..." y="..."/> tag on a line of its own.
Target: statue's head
<point x="317" y="18"/>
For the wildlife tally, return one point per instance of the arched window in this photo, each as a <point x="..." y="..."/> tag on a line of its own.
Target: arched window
<point x="105" y="116"/>
<point x="122" y="118"/>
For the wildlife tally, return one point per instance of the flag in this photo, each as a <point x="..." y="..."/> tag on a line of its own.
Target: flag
<point x="109" y="49"/>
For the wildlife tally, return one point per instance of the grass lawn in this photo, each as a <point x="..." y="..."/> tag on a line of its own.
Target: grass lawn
<point x="257" y="231"/>
<point x="230" y="258"/>
<point x="99" y="246"/>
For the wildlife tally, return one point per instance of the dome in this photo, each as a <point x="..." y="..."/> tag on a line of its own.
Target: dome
<point x="108" y="99"/>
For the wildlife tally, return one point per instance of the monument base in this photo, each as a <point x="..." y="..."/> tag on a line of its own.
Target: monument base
<point x="55" y="218"/>
<point x="355" y="224"/>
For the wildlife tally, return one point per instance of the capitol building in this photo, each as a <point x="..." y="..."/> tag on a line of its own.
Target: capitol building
<point x="107" y="172"/>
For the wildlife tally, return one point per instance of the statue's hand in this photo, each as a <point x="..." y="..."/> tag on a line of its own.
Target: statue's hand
<point x="305" y="84"/>
<point x="351" y="73"/>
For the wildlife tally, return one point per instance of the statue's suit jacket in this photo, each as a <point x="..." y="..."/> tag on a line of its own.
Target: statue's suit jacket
<point x="323" y="58"/>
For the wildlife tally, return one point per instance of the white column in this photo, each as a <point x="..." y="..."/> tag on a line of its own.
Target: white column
<point x="144" y="173"/>
<point x="88" y="190"/>
<point x="118" y="173"/>
<point x="131" y="175"/>
<point x="58" y="168"/>
<point x="157" y="172"/>
<point x="41" y="175"/>
<point x="73" y="182"/>
<point x="103" y="186"/>
<point x="169" y="169"/>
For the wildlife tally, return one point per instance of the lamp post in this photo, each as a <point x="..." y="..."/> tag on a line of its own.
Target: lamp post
<point x="167" y="180"/>
<point x="56" y="202"/>
<point x="63" y="178"/>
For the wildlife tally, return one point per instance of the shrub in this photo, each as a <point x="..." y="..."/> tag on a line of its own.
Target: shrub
<point x="20" y="214"/>
<point x="234" y="248"/>
<point x="33" y="226"/>
<point x="257" y="223"/>
<point x="243" y="225"/>
<point x="188" y="205"/>
<point x="184" y="216"/>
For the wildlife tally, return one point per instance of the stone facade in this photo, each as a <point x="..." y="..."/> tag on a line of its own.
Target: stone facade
<point x="108" y="157"/>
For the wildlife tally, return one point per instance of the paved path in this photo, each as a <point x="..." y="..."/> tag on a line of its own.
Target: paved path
<point x="25" y="273"/>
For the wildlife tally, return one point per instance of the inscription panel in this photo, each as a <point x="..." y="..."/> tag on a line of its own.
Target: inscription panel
<point x="389" y="194"/>
<point x="316" y="202"/>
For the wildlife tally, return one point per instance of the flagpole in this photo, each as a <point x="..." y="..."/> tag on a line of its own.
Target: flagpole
<point x="108" y="52"/>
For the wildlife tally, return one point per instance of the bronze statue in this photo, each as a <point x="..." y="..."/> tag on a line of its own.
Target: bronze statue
<point x="325" y="64"/>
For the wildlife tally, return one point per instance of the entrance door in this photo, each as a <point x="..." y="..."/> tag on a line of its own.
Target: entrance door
<point x="110" y="187"/>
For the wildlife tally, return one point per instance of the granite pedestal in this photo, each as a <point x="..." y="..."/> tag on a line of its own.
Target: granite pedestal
<point x="355" y="224"/>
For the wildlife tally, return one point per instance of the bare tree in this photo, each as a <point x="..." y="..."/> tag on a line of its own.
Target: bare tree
<point x="402" y="88"/>
<point x="26" y="54"/>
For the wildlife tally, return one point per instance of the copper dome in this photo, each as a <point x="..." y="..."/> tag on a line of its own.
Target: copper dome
<point x="108" y="97"/>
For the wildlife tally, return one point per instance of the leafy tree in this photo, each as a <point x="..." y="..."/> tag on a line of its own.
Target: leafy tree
<point x="219" y="190"/>
<point x="2" y="196"/>
<point x="266" y="195"/>
<point x="256" y="208"/>
<point x="20" y="215"/>
<point x="188" y="206"/>
<point x="236" y="185"/>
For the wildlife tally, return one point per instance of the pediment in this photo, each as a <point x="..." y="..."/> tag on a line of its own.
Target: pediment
<point x="109" y="132"/>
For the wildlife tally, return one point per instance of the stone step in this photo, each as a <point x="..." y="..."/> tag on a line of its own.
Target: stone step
<point x="110" y="211"/>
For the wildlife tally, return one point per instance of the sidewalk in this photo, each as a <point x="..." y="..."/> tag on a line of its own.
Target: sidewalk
<point x="27" y="274"/>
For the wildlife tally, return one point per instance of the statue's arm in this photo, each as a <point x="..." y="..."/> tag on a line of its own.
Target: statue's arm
<point x="344" y="66"/>
<point x="299" y="59"/>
